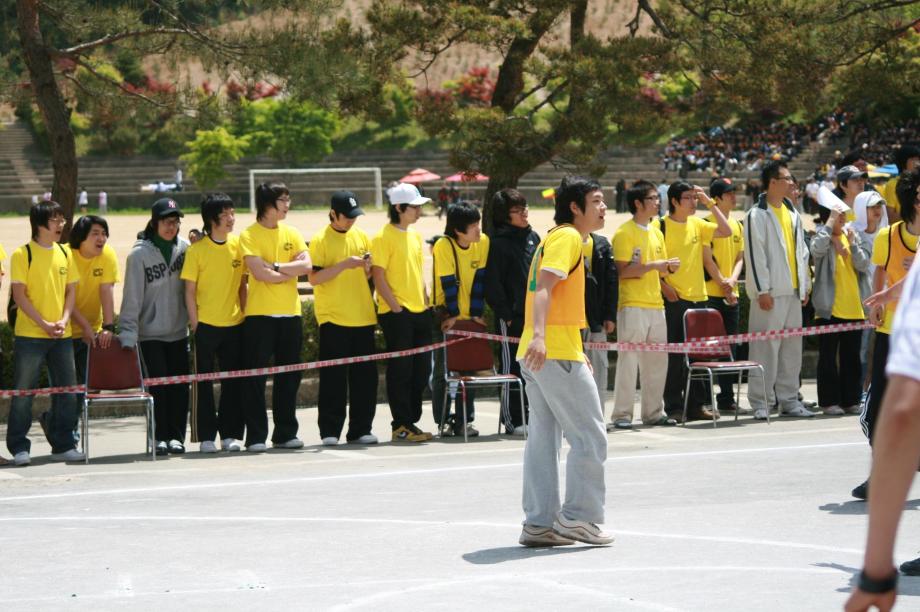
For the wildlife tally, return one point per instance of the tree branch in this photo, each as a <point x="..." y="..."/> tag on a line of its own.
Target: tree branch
<point x="111" y="38"/>
<point x="120" y="86"/>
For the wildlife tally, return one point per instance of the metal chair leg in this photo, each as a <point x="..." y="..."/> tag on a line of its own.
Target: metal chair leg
<point x="712" y="394"/>
<point x="523" y="409"/>
<point x="443" y="408"/>
<point x="737" y="395"/>
<point x="463" y="401"/>
<point x="683" y="420"/>
<point x="763" y="379"/>
<point x="151" y="432"/>
<point x="84" y="441"/>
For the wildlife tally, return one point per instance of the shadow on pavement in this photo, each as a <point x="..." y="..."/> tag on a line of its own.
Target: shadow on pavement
<point x="858" y="506"/>
<point x="492" y="556"/>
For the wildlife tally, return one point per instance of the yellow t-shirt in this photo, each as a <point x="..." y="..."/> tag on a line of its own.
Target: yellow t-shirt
<point x="399" y="253"/>
<point x="279" y="245"/>
<point x="893" y="253"/>
<point x="686" y="241"/>
<point x="470" y="260"/>
<point x="46" y="281"/>
<point x="890" y="194"/>
<point x="2" y="257"/>
<point x="346" y="299"/>
<point x="217" y="271"/>
<point x="847" y="301"/>
<point x="645" y="291"/>
<point x="725" y="251"/>
<point x="100" y="270"/>
<point x="560" y="251"/>
<point x="785" y="224"/>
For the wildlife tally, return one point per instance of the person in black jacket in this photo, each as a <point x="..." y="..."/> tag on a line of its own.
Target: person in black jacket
<point x="513" y="244"/>
<point x="601" y="295"/>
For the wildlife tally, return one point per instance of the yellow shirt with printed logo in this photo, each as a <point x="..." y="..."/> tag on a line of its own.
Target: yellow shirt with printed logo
<point x="279" y="245"/>
<point x="890" y="253"/>
<point x="470" y="259"/>
<point x="847" y="301"/>
<point x="100" y="270"/>
<point x="725" y="251"/>
<point x="399" y="253"/>
<point x="345" y="300"/>
<point x="645" y="291"/>
<point x="686" y="241"/>
<point x="45" y="281"/>
<point x="785" y="223"/>
<point x="217" y="271"/>
<point x="562" y="251"/>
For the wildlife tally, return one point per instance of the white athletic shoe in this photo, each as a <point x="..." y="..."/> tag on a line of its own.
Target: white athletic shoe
<point x="520" y="430"/>
<point x="293" y="443"/>
<point x="366" y="439"/>
<point x="760" y="414"/>
<point x="71" y="455"/>
<point x="534" y="536"/>
<point x="798" y="411"/>
<point x="231" y="445"/>
<point x="259" y="447"/>
<point x="208" y="447"/>
<point x="583" y="531"/>
<point x="22" y="459"/>
<point x="853" y="409"/>
<point x="330" y="441"/>
<point x="833" y="411"/>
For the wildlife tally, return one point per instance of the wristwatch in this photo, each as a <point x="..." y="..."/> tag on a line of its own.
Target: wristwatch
<point x="276" y="267"/>
<point x="110" y="327"/>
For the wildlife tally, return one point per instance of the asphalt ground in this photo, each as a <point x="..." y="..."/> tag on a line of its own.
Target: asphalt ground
<point x="746" y="516"/>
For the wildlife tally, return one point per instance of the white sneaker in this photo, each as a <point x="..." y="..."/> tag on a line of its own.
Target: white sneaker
<point x="291" y="444"/>
<point x="366" y="439"/>
<point x="798" y="411"/>
<point x="520" y="430"/>
<point x="760" y="414"/>
<point x="853" y="409"/>
<point x="257" y="448"/>
<point x="22" y="459"/>
<point x="71" y="455"/>
<point x="833" y="410"/>
<point x="329" y="441"/>
<point x="583" y="531"/>
<point x="231" y="445"/>
<point x="534" y="536"/>
<point x="208" y="447"/>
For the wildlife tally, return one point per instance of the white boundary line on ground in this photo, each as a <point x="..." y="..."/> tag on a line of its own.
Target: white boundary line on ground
<point x="416" y="472"/>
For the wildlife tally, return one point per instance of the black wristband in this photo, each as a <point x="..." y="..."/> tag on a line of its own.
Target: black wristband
<point x="109" y="327"/>
<point x="871" y="585"/>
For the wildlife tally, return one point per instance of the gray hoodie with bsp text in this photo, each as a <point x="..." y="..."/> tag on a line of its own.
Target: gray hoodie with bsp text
<point x="153" y="302"/>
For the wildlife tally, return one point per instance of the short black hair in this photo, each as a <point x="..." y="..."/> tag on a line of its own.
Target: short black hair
<point x="903" y="154"/>
<point x="770" y="171"/>
<point x="267" y="194"/>
<point x="40" y="214"/>
<point x="212" y="206"/>
<point x="503" y="201"/>
<point x="459" y="217"/>
<point x="393" y="211"/>
<point x="852" y="157"/>
<point x="675" y="191"/>
<point x="572" y="189"/>
<point x="83" y="227"/>
<point x="907" y="194"/>
<point x="638" y="192"/>
<point x="824" y="213"/>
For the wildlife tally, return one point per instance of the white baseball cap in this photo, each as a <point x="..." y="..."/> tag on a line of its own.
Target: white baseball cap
<point x="404" y="193"/>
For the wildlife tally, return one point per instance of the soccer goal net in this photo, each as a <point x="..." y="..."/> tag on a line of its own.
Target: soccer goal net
<point x="315" y="185"/>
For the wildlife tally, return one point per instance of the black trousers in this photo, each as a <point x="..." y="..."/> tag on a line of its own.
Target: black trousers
<point x="839" y="372"/>
<point x="356" y="382"/>
<point x="170" y="402"/>
<point x="511" y="415"/>
<point x="263" y="338"/>
<point x="877" y="386"/>
<point x="676" y="381"/>
<point x="730" y="315"/>
<point x="220" y="349"/>
<point x="407" y="377"/>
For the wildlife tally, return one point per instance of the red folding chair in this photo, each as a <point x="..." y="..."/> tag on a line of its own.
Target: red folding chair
<point x="465" y="363"/>
<point x="114" y="375"/>
<point x="704" y="323"/>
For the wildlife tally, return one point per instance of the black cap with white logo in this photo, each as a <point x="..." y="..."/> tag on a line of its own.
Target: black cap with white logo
<point x="346" y="203"/>
<point x="165" y="207"/>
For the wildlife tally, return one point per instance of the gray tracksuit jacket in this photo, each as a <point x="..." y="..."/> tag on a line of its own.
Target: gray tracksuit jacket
<point x="153" y="302"/>
<point x="765" y="262"/>
<point x="822" y="295"/>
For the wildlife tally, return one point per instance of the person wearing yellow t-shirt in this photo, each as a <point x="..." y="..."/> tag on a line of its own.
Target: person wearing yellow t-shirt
<point x="641" y="260"/>
<point x="563" y="395"/>
<point x="344" y="309"/>
<point x="851" y="181"/>
<point x="44" y="281"/>
<point x="906" y="158"/>
<point x="724" y="268"/>
<point x="460" y="258"/>
<point x="841" y="284"/>
<point x="275" y="254"/>
<point x="777" y="283"/>
<point x="402" y="305"/>
<point x="688" y="238"/>
<point x="215" y="295"/>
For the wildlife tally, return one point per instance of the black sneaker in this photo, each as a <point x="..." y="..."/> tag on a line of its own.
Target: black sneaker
<point x="862" y="492"/>
<point x="911" y="568"/>
<point x="161" y="448"/>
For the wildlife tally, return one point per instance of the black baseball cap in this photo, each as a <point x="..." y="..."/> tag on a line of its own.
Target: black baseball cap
<point x="346" y="203"/>
<point x="165" y="207"/>
<point x="720" y="186"/>
<point x="850" y="172"/>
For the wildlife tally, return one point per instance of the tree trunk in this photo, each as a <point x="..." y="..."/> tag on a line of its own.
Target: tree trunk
<point x="51" y="104"/>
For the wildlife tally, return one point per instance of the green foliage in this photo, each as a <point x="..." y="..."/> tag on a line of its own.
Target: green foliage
<point x="209" y="152"/>
<point x="290" y="131"/>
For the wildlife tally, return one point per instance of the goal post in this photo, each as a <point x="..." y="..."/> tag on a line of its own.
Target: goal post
<point x="375" y="171"/>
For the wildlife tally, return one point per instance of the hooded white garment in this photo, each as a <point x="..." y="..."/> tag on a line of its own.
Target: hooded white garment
<point x="863" y="201"/>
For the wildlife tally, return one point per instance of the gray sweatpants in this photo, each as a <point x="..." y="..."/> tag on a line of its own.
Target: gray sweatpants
<point x="564" y="401"/>
<point x="781" y="359"/>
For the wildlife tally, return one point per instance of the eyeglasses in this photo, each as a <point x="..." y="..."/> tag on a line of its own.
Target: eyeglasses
<point x="58" y="220"/>
<point x="171" y="222"/>
<point x="652" y="198"/>
<point x="785" y="178"/>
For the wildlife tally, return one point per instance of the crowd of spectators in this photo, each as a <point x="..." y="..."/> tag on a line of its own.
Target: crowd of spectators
<point x="879" y="144"/>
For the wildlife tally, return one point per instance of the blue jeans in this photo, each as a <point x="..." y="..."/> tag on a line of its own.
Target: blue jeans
<point x="29" y="354"/>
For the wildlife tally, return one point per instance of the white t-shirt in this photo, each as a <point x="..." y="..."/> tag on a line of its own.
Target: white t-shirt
<point x="904" y="351"/>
